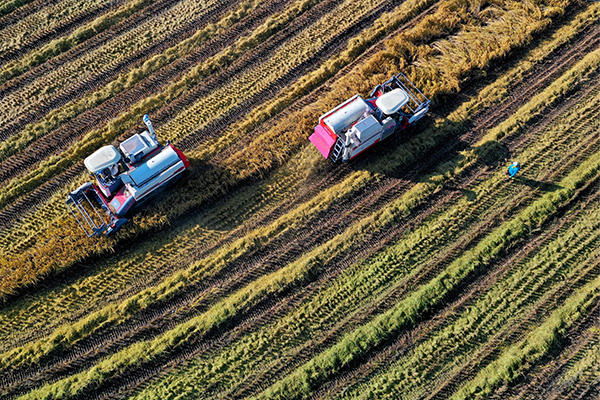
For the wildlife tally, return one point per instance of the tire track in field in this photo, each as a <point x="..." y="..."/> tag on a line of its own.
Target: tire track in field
<point x="544" y="381"/>
<point x="104" y="76"/>
<point x="405" y="343"/>
<point x="509" y="335"/>
<point x="59" y="30"/>
<point x="23" y="11"/>
<point x="63" y="137"/>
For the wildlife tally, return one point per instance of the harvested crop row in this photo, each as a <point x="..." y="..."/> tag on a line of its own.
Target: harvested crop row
<point x="69" y="40"/>
<point x="579" y="372"/>
<point x="100" y="64"/>
<point x="570" y="368"/>
<point x="172" y="92"/>
<point x="78" y="117"/>
<point x="299" y="321"/>
<point x="17" y="37"/>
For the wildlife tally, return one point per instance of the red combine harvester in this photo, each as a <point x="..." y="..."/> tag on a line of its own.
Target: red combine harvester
<point x="357" y="124"/>
<point x="124" y="179"/>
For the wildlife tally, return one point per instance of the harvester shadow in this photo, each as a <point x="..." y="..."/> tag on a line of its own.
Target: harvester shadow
<point x="201" y="187"/>
<point x="182" y="205"/>
<point x="411" y="155"/>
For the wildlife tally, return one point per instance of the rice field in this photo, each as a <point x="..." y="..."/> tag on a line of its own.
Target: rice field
<point x="416" y="271"/>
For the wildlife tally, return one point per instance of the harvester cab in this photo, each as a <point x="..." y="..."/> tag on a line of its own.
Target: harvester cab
<point x="357" y="124"/>
<point x="124" y="179"/>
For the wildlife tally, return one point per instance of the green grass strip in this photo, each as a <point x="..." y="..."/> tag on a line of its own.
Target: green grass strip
<point x="68" y="335"/>
<point x="511" y="363"/>
<point x="123" y="82"/>
<point x="303" y="380"/>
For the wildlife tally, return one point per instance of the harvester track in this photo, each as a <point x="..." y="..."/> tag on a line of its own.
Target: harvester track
<point x="195" y="298"/>
<point x="82" y="87"/>
<point x="59" y="30"/>
<point x="60" y="139"/>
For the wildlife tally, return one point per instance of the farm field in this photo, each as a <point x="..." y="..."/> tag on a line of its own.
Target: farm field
<point x="415" y="271"/>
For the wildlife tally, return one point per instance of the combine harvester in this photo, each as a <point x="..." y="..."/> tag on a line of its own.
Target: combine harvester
<point x="124" y="179"/>
<point x="357" y="124"/>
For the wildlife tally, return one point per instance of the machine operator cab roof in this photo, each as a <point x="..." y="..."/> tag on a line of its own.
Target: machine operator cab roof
<point x="138" y="146"/>
<point x="104" y="157"/>
<point x="391" y="102"/>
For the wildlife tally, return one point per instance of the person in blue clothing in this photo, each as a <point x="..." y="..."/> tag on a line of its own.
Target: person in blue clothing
<point x="512" y="170"/>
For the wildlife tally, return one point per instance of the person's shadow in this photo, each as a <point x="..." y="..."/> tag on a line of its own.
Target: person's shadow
<point x="541" y="185"/>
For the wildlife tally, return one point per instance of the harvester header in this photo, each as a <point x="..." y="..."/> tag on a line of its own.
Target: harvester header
<point x="125" y="177"/>
<point x="357" y="124"/>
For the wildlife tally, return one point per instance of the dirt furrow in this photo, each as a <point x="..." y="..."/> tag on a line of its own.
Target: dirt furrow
<point x="59" y="30"/>
<point x="23" y="11"/>
<point x="76" y="91"/>
<point x="399" y="347"/>
<point x="61" y="138"/>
